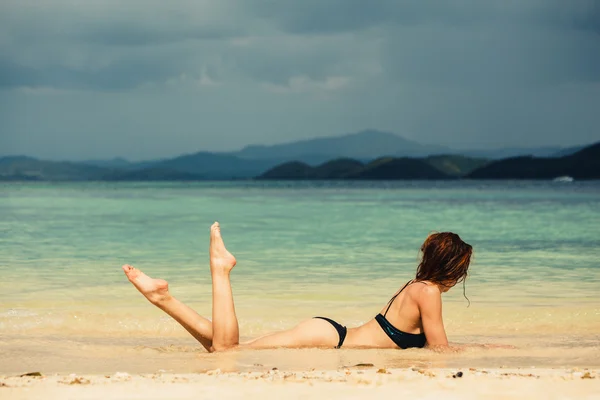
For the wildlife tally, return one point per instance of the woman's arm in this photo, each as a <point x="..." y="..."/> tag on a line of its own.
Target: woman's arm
<point x="430" y="307"/>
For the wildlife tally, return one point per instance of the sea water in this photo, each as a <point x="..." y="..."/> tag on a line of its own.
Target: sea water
<point x="336" y="249"/>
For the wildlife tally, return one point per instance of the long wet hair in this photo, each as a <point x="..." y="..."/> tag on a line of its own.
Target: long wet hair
<point x="445" y="260"/>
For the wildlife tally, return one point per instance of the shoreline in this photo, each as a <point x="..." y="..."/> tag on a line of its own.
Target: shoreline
<point x="355" y="381"/>
<point x="64" y="355"/>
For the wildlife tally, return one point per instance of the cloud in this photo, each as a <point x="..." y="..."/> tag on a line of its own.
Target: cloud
<point x="429" y="69"/>
<point x="110" y="22"/>
<point x="115" y="45"/>
<point x="302" y="84"/>
<point x="327" y="16"/>
<point x="493" y="57"/>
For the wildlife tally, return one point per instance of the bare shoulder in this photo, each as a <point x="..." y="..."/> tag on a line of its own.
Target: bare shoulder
<point x="428" y="291"/>
<point x="427" y="294"/>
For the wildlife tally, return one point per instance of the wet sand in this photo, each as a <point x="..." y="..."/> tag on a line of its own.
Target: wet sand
<point x="358" y="381"/>
<point x="163" y="369"/>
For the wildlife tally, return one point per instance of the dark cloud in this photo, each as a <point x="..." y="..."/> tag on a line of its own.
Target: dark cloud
<point x="278" y="59"/>
<point x="492" y="57"/>
<point x="14" y="75"/>
<point x="144" y="36"/>
<point x="452" y="42"/>
<point x="314" y="16"/>
<point x="430" y="69"/>
<point x="327" y="16"/>
<point x="124" y="74"/>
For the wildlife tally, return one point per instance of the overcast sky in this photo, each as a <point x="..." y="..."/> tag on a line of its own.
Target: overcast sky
<point x="150" y="78"/>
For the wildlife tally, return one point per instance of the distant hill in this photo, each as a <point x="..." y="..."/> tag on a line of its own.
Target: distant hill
<point x="339" y="169"/>
<point x="456" y="165"/>
<point x="509" y="152"/>
<point x="196" y="166"/>
<point x="216" y="165"/>
<point x="399" y="168"/>
<point x="584" y="164"/>
<point x="433" y="167"/>
<point x="334" y="169"/>
<point x="293" y="170"/>
<point x="368" y="144"/>
<point x="388" y="168"/>
<point x="589" y="153"/>
<point x="116" y="162"/>
<point x="310" y="164"/>
<point x="568" y="151"/>
<point x="33" y="169"/>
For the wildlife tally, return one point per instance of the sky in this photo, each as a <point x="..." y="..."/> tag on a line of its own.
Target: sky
<point x="141" y="79"/>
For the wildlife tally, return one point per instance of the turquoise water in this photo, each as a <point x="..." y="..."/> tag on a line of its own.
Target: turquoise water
<point x="303" y="249"/>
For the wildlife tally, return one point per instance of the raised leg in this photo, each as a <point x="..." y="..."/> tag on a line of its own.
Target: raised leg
<point x="226" y="333"/>
<point x="223" y="332"/>
<point x="157" y="293"/>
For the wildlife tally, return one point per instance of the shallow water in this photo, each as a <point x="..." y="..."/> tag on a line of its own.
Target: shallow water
<point x="303" y="249"/>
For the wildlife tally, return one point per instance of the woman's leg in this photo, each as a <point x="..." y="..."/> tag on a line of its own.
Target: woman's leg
<point x="223" y="332"/>
<point x="226" y="333"/>
<point x="157" y="292"/>
<point x="311" y="333"/>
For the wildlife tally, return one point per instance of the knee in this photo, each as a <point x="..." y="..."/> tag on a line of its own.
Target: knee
<point x="219" y="347"/>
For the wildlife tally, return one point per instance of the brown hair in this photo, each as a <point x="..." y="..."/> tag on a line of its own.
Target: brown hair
<point x="445" y="259"/>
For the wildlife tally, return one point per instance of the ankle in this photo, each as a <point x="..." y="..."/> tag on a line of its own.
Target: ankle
<point x="160" y="299"/>
<point x="220" y="274"/>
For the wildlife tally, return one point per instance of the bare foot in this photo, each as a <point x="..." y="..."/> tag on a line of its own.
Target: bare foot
<point x="221" y="261"/>
<point x="155" y="290"/>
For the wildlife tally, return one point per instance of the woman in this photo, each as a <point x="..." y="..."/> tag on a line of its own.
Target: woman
<point x="412" y="317"/>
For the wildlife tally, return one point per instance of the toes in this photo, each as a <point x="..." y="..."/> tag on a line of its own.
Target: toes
<point x="131" y="272"/>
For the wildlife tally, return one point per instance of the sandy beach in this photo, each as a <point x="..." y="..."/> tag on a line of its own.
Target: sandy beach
<point x="360" y="381"/>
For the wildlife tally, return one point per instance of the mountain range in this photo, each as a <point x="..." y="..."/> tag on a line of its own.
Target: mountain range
<point x="584" y="164"/>
<point x="383" y="168"/>
<point x="364" y="145"/>
<point x="368" y="154"/>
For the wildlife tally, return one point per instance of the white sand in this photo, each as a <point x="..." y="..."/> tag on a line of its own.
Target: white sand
<point x="345" y="383"/>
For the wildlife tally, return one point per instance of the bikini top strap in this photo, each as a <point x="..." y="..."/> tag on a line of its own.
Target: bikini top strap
<point x="396" y="295"/>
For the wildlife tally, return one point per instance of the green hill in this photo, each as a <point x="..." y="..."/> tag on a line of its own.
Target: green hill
<point x="584" y="164"/>
<point x="455" y="165"/>
<point x="32" y="169"/>
<point x="338" y="169"/>
<point x="399" y="168"/>
<point x="389" y="168"/>
<point x="290" y="171"/>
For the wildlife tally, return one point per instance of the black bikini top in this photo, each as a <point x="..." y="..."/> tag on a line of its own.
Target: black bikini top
<point x="402" y="339"/>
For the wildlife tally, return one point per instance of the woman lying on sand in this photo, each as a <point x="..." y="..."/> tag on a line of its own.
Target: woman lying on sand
<point x="412" y="317"/>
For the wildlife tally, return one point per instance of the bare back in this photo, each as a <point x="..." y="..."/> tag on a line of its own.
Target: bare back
<point x="414" y="310"/>
<point x="403" y="310"/>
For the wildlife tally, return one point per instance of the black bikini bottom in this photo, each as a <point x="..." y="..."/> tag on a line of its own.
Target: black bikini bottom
<point x="341" y="330"/>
